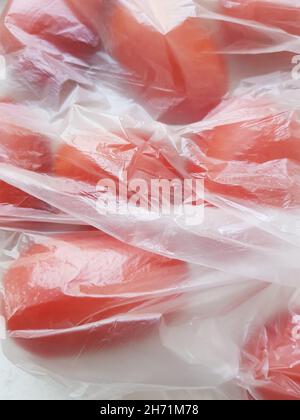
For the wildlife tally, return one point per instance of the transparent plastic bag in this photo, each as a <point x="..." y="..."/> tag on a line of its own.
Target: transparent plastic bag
<point x="103" y="129"/>
<point x="101" y="97"/>
<point x="27" y="141"/>
<point x="87" y="296"/>
<point x="251" y="208"/>
<point x="108" y="321"/>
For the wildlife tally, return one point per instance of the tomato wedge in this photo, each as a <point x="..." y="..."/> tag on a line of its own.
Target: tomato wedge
<point x="24" y="148"/>
<point x="92" y="157"/>
<point x="175" y="68"/>
<point x="256" y="159"/>
<point x="271" y="354"/>
<point x="90" y="14"/>
<point x="59" y="287"/>
<point x="62" y="23"/>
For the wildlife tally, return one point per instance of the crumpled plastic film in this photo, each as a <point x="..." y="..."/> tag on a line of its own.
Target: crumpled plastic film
<point x="134" y="322"/>
<point x="98" y="101"/>
<point x="116" y="311"/>
<point x="101" y="127"/>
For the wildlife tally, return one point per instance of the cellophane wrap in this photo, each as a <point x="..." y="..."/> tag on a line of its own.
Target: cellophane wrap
<point x="118" y="300"/>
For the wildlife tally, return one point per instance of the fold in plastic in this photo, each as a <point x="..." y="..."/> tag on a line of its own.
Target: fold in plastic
<point x="120" y="91"/>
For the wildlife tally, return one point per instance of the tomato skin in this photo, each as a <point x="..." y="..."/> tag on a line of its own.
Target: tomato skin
<point x="271" y="354"/>
<point x="131" y="165"/>
<point x="273" y="13"/>
<point x="90" y="159"/>
<point x="253" y="160"/>
<point x="25" y="149"/>
<point x="78" y="279"/>
<point x="61" y="23"/>
<point x="44" y="43"/>
<point x="90" y="14"/>
<point x="95" y="157"/>
<point x="177" y="75"/>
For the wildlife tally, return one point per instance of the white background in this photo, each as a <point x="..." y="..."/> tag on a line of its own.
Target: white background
<point x="18" y="385"/>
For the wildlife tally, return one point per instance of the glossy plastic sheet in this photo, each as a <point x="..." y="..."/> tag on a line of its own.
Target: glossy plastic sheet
<point x="88" y="299"/>
<point x="104" y="104"/>
<point x="126" y="91"/>
<point x="110" y="321"/>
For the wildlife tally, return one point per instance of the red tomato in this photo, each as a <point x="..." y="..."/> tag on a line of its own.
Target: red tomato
<point x="89" y="12"/>
<point x="75" y="280"/>
<point x="128" y="162"/>
<point x="255" y="160"/>
<point x="60" y="23"/>
<point x="283" y="14"/>
<point x="40" y="35"/>
<point x="271" y="354"/>
<point x="25" y="149"/>
<point x="176" y="70"/>
<point x="94" y="157"/>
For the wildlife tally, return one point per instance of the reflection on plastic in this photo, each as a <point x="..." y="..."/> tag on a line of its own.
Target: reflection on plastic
<point x="151" y="90"/>
<point x="76" y="280"/>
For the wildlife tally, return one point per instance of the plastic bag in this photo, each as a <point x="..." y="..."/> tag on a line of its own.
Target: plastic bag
<point x="100" y="101"/>
<point x="103" y="128"/>
<point x="87" y="296"/>
<point x="134" y="322"/>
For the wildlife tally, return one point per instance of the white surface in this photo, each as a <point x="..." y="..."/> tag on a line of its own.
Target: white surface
<point x="18" y="385"/>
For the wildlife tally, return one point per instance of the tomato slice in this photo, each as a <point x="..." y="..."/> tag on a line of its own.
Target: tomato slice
<point x="93" y="157"/>
<point x="61" y="23"/>
<point x="78" y="279"/>
<point x="44" y="43"/>
<point x="90" y="14"/>
<point x="282" y="14"/>
<point x="144" y="173"/>
<point x="256" y="159"/>
<point x="271" y="354"/>
<point x="176" y="70"/>
<point x="131" y="165"/>
<point x="23" y="148"/>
